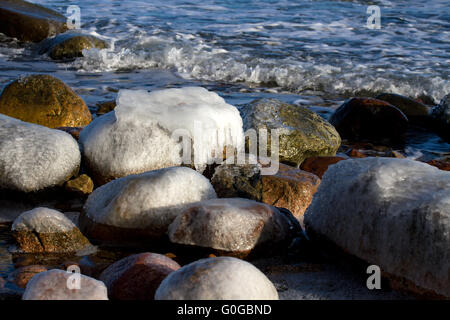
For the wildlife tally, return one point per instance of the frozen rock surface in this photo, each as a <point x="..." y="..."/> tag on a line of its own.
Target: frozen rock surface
<point x="33" y="157"/>
<point x="47" y="230"/>
<point x="148" y="201"/>
<point x="143" y="131"/>
<point x="232" y="225"/>
<point x="222" y="278"/>
<point x="53" y="285"/>
<point x="394" y="213"/>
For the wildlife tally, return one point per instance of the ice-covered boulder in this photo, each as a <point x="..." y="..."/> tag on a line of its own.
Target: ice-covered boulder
<point x="47" y="230"/>
<point x="62" y="285"/>
<point x="143" y="132"/>
<point x="33" y="157"/>
<point x="223" y="278"/>
<point x="233" y="226"/>
<point x="394" y="213"/>
<point x="141" y="207"/>
<point x="302" y="132"/>
<point x="137" y="277"/>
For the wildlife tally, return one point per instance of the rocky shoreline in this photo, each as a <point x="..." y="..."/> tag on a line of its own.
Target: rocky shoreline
<point x="117" y="196"/>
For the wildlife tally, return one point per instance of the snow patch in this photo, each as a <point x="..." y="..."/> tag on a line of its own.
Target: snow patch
<point x="43" y="220"/>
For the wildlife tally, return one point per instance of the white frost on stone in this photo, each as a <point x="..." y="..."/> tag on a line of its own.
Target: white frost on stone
<point x="222" y="278"/>
<point x="43" y="220"/>
<point x="53" y="285"/>
<point x="391" y="212"/>
<point x="33" y="157"/>
<point x="151" y="199"/>
<point x="231" y="224"/>
<point x="204" y="115"/>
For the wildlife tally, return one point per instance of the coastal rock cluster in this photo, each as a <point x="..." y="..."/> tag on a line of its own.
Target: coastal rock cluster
<point x="158" y="177"/>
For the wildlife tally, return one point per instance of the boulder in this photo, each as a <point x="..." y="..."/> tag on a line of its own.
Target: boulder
<point x="413" y="109"/>
<point x="443" y="165"/>
<point x="105" y="107"/>
<point x="289" y="187"/>
<point x="222" y="278"/>
<point x="44" y="100"/>
<point x="138" y="276"/>
<point x="302" y="132"/>
<point x="73" y="131"/>
<point x="141" y="207"/>
<point x="28" y="21"/>
<point x="61" y="285"/>
<point x="81" y="185"/>
<point x="367" y="119"/>
<point x="232" y="226"/>
<point x="319" y="165"/>
<point x="47" y="230"/>
<point x="394" y="213"/>
<point x="70" y="45"/>
<point x="23" y="275"/>
<point x="34" y="157"/>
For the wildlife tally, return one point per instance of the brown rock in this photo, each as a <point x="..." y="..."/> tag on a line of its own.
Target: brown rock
<point x="21" y="276"/>
<point x="411" y="108"/>
<point x="82" y="185"/>
<point x="440" y="164"/>
<point x="73" y="131"/>
<point x="353" y="153"/>
<point x="319" y="165"/>
<point x="137" y="277"/>
<point x="44" y="100"/>
<point x="290" y="188"/>
<point x="105" y="107"/>
<point x="367" y="119"/>
<point x="29" y="22"/>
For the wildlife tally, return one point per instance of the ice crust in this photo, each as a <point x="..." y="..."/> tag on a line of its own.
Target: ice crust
<point x="33" y="157"/>
<point x="143" y="132"/>
<point x="222" y="278"/>
<point x="53" y="285"/>
<point x="43" y="220"/>
<point x="151" y="199"/>
<point x="391" y="212"/>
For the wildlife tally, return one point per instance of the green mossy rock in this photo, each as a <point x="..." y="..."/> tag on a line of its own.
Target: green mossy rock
<point x="44" y="100"/>
<point x="303" y="133"/>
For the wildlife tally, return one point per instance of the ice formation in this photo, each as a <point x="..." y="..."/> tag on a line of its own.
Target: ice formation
<point x="232" y="224"/>
<point x="391" y="212"/>
<point x="33" y="157"/>
<point x="43" y="220"/>
<point x="209" y="121"/>
<point x="143" y="132"/>
<point x="222" y="278"/>
<point x="56" y="285"/>
<point x="148" y="200"/>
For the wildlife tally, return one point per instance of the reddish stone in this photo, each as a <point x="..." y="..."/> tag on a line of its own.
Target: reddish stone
<point x="319" y="165"/>
<point x="440" y="164"/>
<point x="353" y="153"/>
<point x="138" y="276"/>
<point x="21" y="276"/>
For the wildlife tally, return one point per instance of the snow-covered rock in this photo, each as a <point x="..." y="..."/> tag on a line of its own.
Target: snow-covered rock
<point x="394" y="213"/>
<point x="235" y="226"/>
<point x="142" y="206"/>
<point x="62" y="285"/>
<point x="143" y="132"/>
<point x="33" y="157"/>
<point x="222" y="278"/>
<point x="47" y="230"/>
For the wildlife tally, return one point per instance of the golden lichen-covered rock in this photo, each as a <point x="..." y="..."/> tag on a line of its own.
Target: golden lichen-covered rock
<point x="70" y="45"/>
<point x="44" y="100"/>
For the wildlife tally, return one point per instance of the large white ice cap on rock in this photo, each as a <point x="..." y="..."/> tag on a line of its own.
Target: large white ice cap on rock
<point x="192" y="112"/>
